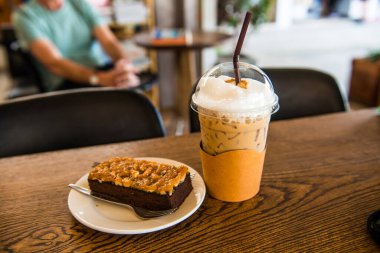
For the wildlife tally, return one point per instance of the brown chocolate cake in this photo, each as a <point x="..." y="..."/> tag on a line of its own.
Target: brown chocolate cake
<point x="142" y="183"/>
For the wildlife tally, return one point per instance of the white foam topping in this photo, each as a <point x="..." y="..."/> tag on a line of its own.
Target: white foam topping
<point x="215" y="94"/>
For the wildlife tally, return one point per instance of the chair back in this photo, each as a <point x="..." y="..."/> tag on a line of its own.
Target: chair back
<point x="305" y="92"/>
<point x="301" y="92"/>
<point x="21" y="63"/>
<point x="76" y="118"/>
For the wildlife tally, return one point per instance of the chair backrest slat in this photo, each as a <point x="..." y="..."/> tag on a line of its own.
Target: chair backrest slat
<point x="76" y="118"/>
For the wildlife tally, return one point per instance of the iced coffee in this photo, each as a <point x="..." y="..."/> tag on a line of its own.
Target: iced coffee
<point x="234" y="120"/>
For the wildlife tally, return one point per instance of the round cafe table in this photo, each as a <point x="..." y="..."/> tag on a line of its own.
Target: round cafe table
<point x="186" y="72"/>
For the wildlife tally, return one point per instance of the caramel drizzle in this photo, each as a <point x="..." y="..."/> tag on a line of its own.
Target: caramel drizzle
<point x="242" y="84"/>
<point x="140" y="174"/>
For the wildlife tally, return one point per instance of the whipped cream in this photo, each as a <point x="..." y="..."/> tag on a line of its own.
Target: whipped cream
<point x="214" y="93"/>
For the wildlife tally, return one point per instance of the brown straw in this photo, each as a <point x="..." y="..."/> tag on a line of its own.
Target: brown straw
<point x="239" y="45"/>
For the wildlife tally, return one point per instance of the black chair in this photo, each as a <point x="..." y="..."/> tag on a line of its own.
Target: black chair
<point x="76" y="118"/>
<point x="301" y="92"/>
<point x="21" y="66"/>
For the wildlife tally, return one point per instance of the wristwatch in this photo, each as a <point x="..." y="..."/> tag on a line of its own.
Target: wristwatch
<point x="94" y="79"/>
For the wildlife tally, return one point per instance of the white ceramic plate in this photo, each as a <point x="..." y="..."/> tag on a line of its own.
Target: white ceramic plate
<point x="111" y="218"/>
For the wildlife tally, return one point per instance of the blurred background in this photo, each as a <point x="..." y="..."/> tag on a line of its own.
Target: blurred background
<point x="325" y="35"/>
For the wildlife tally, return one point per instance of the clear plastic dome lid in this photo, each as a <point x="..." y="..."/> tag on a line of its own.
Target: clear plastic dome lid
<point x="217" y="91"/>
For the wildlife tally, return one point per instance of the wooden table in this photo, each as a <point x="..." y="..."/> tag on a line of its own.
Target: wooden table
<point x="321" y="180"/>
<point x="186" y="65"/>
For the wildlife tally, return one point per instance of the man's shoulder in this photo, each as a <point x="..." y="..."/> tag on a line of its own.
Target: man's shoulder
<point x="85" y="10"/>
<point x="81" y="4"/>
<point x="29" y="9"/>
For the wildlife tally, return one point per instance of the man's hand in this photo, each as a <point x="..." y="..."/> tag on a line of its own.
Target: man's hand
<point x="122" y="75"/>
<point x="127" y="77"/>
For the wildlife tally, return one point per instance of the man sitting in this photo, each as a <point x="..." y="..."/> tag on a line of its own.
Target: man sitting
<point x="67" y="38"/>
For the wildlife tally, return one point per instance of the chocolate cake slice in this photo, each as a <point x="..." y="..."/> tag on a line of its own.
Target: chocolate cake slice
<point x="147" y="184"/>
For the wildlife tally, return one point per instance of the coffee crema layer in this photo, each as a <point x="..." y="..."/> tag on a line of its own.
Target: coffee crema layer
<point x="222" y="134"/>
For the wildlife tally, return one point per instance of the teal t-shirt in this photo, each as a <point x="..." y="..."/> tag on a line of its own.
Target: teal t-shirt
<point x="70" y="29"/>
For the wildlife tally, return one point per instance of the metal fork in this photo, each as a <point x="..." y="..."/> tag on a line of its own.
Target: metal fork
<point x="140" y="212"/>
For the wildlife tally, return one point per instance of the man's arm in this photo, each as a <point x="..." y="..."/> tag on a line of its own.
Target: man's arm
<point x="113" y="48"/>
<point x="109" y="42"/>
<point x="50" y="57"/>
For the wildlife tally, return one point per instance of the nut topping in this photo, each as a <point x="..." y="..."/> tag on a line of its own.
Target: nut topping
<point x="140" y="174"/>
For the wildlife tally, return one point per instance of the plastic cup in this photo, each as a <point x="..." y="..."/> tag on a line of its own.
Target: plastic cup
<point x="234" y="125"/>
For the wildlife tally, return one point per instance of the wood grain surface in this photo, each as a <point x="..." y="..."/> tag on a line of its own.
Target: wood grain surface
<point x="321" y="180"/>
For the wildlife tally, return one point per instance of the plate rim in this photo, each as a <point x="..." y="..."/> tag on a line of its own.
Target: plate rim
<point x="201" y="188"/>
